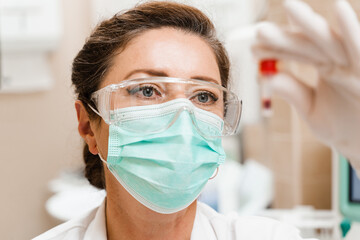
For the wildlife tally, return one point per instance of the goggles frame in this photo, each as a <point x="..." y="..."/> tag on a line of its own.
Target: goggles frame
<point x="230" y="97"/>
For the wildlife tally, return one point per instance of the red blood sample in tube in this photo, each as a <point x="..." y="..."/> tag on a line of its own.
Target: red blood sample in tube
<point x="267" y="69"/>
<point x="266" y="103"/>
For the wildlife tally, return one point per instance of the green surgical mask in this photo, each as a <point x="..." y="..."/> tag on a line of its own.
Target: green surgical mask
<point x="165" y="171"/>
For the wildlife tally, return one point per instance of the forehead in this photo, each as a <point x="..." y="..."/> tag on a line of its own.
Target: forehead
<point x="172" y="52"/>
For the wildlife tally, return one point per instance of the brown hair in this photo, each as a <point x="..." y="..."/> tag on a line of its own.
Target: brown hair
<point x="111" y="37"/>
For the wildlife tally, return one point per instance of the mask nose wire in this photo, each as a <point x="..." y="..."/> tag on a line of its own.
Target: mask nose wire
<point x="187" y="108"/>
<point x="190" y="109"/>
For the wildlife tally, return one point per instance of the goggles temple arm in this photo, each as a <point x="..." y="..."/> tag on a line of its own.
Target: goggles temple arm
<point x="94" y="110"/>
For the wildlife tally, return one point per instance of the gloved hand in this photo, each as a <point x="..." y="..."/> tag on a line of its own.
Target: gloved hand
<point x="332" y="108"/>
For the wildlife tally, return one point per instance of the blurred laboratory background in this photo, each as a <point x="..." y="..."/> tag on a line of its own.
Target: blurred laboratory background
<point x="275" y="167"/>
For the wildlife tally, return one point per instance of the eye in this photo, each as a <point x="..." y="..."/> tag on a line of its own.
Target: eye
<point x="205" y="97"/>
<point x="147" y="91"/>
<point x="144" y="91"/>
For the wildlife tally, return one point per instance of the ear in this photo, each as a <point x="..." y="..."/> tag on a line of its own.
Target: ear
<point x="84" y="127"/>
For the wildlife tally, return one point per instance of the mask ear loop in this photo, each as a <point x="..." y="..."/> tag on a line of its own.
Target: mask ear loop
<point x="101" y="157"/>
<point x="214" y="175"/>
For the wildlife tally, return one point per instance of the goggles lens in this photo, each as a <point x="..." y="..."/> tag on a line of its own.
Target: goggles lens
<point x="204" y="97"/>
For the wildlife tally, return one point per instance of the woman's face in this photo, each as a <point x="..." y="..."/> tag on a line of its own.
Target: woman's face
<point x="160" y="52"/>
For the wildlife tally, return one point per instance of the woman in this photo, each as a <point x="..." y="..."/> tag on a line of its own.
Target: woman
<point x="152" y="104"/>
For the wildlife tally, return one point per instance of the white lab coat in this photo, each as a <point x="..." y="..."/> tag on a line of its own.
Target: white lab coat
<point x="208" y="225"/>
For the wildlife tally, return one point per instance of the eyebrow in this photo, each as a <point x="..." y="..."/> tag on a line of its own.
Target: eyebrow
<point x="150" y="72"/>
<point x="159" y="73"/>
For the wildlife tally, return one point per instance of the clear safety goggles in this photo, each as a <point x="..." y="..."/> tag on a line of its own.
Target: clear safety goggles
<point x="133" y="99"/>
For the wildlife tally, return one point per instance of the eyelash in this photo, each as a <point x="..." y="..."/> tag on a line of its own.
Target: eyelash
<point x="138" y="89"/>
<point x="211" y="95"/>
<point x="141" y="88"/>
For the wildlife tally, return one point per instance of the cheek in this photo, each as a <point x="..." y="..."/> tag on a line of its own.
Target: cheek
<point x="102" y="139"/>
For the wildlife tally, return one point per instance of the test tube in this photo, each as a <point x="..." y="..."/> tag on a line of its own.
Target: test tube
<point x="267" y="69"/>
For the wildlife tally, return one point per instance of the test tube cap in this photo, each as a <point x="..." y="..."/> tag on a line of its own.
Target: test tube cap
<point x="268" y="67"/>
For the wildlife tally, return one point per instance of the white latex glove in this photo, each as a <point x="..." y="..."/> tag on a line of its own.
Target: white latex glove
<point x="332" y="108"/>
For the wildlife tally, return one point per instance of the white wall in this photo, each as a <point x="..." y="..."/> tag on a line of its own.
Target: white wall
<point x="38" y="135"/>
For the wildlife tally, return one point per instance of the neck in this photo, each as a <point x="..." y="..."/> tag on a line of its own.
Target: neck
<point x="139" y="222"/>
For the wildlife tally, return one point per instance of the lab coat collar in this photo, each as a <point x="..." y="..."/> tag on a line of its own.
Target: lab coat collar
<point x="97" y="228"/>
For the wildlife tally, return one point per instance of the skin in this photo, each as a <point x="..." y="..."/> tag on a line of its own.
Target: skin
<point x="162" y="52"/>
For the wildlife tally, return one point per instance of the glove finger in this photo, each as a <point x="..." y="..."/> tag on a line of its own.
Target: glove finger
<point x="317" y="30"/>
<point x="272" y="36"/>
<point x="261" y="52"/>
<point x="350" y="29"/>
<point x="293" y="91"/>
